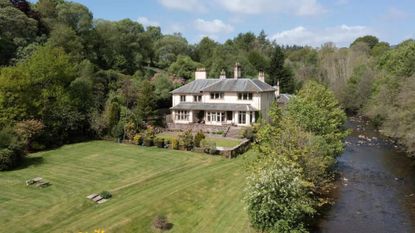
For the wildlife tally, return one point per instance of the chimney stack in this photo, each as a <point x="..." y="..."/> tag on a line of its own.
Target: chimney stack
<point x="222" y="74"/>
<point x="237" y="71"/>
<point x="277" y="89"/>
<point x="261" y="76"/>
<point x="200" y="73"/>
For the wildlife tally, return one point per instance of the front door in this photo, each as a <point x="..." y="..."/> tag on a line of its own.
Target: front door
<point x="200" y="116"/>
<point x="229" y="115"/>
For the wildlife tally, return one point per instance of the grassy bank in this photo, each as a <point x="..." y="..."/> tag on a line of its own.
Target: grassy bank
<point x="198" y="193"/>
<point x="219" y="140"/>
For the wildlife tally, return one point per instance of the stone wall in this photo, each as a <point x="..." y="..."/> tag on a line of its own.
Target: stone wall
<point x="243" y="147"/>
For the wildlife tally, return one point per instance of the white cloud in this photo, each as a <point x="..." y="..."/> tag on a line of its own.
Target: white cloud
<point x="341" y="35"/>
<point x="184" y="5"/>
<point x="147" y="22"/>
<point x="212" y="27"/>
<point x="297" y="7"/>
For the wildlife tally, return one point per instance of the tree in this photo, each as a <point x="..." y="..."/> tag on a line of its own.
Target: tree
<point x="168" y="48"/>
<point x="163" y="84"/>
<point x="75" y="15"/>
<point x="146" y="102"/>
<point x="65" y="37"/>
<point x="39" y="88"/>
<point x="184" y="67"/>
<point x="17" y="30"/>
<point x="277" y="197"/>
<point x="27" y="130"/>
<point x="316" y="110"/>
<point x="371" y="41"/>
<point x="279" y="73"/>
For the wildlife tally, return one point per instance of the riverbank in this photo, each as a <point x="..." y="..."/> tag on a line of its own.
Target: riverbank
<point x="376" y="189"/>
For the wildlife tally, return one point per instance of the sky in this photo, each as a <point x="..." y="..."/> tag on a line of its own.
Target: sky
<point x="288" y="22"/>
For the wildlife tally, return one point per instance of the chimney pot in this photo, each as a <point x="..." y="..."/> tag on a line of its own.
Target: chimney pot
<point x="237" y="71"/>
<point x="200" y="73"/>
<point x="261" y="76"/>
<point x="277" y="89"/>
<point x="222" y="74"/>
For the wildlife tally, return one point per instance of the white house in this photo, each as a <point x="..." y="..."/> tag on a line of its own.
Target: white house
<point x="223" y="101"/>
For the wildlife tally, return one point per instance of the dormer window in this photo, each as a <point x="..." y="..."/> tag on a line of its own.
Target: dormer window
<point x="182" y="98"/>
<point x="216" y="95"/>
<point x="245" y="96"/>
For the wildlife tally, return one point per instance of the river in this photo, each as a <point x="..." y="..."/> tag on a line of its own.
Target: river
<point x="376" y="188"/>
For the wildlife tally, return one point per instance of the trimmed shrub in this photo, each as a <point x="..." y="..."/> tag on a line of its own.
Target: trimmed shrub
<point x="198" y="138"/>
<point x="159" y="142"/>
<point x="105" y="194"/>
<point x="148" y="141"/>
<point x="9" y="159"/>
<point x="150" y="132"/>
<point x="138" y="139"/>
<point x="175" y="144"/>
<point x="167" y="143"/>
<point x="187" y="139"/>
<point x="161" y="223"/>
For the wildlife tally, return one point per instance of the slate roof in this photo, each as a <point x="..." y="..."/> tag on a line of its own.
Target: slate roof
<point x="224" y="85"/>
<point x="284" y="98"/>
<point x="195" y="86"/>
<point x="213" y="106"/>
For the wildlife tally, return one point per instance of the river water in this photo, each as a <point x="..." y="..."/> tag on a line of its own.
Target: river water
<point x="376" y="189"/>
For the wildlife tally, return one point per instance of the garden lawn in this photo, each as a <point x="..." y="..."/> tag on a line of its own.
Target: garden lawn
<point x="220" y="141"/>
<point x="197" y="192"/>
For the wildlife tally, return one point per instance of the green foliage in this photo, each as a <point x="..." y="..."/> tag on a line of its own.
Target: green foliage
<point x="27" y="130"/>
<point x="75" y="15"/>
<point x="138" y="139"/>
<point x="199" y="136"/>
<point x="175" y="143"/>
<point x="11" y="149"/>
<point x="277" y="197"/>
<point x="278" y="73"/>
<point x="358" y="88"/>
<point x="184" y="67"/>
<point x="163" y="84"/>
<point x="8" y="159"/>
<point x="400" y="61"/>
<point x="290" y="178"/>
<point x="249" y="133"/>
<point x="187" y="139"/>
<point x="159" y="142"/>
<point x="168" y="48"/>
<point x="16" y="25"/>
<point x="146" y="102"/>
<point x="317" y="110"/>
<point x="148" y="141"/>
<point x="371" y="41"/>
<point x="105" y="194"/>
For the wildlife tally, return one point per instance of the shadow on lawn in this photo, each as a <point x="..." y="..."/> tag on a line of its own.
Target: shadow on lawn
<point x="30" y="161"/>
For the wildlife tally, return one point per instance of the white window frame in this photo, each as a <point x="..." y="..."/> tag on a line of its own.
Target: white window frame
<point x="197" y="98"/>
<point x="216" y="95"/>
<point x="245" y="96"/>
<point x="182" y="115"/>
<point x="242" y="118"/>
<point x="216" y="117"/>
<point x="182" y="98"/>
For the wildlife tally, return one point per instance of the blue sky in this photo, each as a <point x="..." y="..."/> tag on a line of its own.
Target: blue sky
<point x="304" y="22"/>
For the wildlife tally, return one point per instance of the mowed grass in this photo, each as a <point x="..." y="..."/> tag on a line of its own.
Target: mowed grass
<point x="219" y="141"/>
<point x="198" y="193"/>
